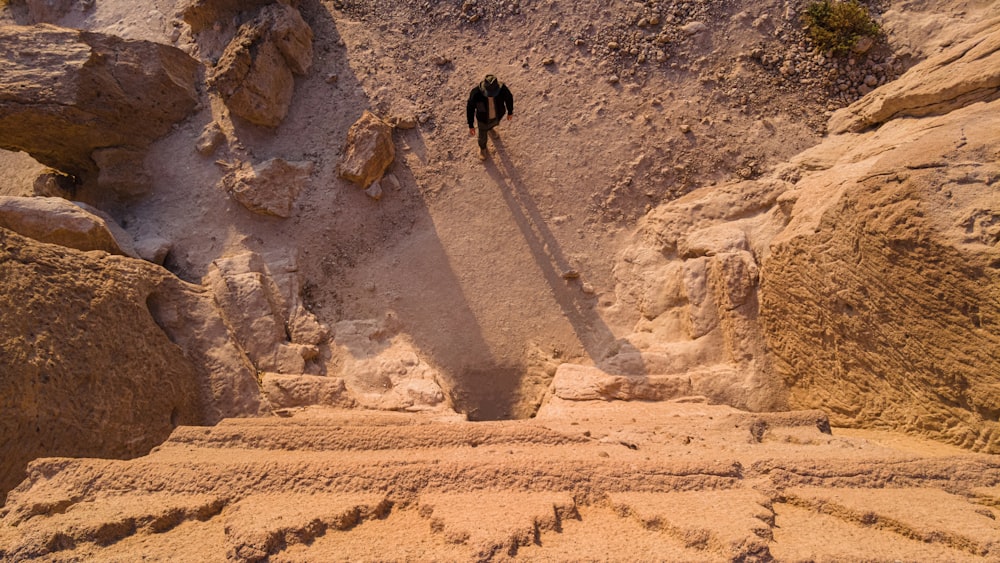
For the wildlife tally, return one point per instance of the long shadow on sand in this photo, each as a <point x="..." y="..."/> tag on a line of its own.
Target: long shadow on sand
<point x="595" y="336"/>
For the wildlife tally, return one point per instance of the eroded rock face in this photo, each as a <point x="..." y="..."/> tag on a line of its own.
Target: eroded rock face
<point x="65" y="94"/>
<point x="255" y="73"/>
<point x="955" y="78"/>
<point x="90" y="363"/>
<point x="202" y="14"/>
<point x="863" y="276"/>
<point x="266" y="313"/>
<point x="882" y="300"/>
<point x="369" y="150"/>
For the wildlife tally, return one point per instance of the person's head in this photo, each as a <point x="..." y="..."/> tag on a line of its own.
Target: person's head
<point x="490" y="85"/>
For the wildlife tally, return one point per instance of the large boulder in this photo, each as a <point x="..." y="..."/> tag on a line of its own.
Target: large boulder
<point x="268" y="188"/>
<point x="104" y="356"/>
<point x="58" y="221"/>
<point x="65" y="94"/>
<point x="254" y="76"/>
<point x="369" y="150"/>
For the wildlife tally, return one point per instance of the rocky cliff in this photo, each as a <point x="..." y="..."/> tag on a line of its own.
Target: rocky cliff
<point x="104" y="355"/>
<point x="867" y="268"/>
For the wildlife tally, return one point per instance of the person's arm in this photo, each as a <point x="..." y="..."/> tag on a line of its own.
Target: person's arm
<point x="470" y="112"/>
<point x="509" y="101"/>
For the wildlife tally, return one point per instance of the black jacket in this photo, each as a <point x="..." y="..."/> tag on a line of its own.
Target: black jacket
<point x="476" y="107"/>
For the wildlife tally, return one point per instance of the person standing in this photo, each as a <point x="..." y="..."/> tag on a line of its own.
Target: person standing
<point x="488" y="103"/>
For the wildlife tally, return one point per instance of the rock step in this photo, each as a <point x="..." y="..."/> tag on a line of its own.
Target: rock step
<point x="642" y="481"/>
<point x="335" y="435"/>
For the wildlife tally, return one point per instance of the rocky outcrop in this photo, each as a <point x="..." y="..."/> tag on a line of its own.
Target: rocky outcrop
<point x="254" y="76"/>
<point x="267" y="316"/>
<point x="952" y="79"/>
<point x="66" y="95"/>
<point x="644" y="481"/>
<point x="58" y="221"/>
<point x="268" y="188"/>
<point x="382" y="369"/>
<point x="369" y="150"/>
<point x="881" y="299"/>
<point x="202" y="14"/>
<point x="104" y="356"/>
<point x="51" y="11"/>
<point x="863" y="275"/>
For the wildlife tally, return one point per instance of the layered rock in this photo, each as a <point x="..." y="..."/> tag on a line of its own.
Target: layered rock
<point x="68" y="94"/>
<point x="946" y="81"/>
<point x="863" y="274"/>
<point x="368" y="152"/>
<point x="104" y="355"/>
<point x="203" y="14"/>
<point x="254" y="76"/>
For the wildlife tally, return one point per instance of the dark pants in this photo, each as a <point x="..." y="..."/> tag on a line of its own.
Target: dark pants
<point x="484" y="128"/>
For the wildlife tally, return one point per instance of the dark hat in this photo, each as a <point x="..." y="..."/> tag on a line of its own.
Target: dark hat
<point x="490" y="85"/>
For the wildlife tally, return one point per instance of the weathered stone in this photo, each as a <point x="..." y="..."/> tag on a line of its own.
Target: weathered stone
<point x="104" y="356"/>
<point x="65" y="94"/>
<point x="58" y="221"/>
<point x="369" y="151"/>
<point x="382" y="369"/>
<point x="202" y="14"/>
<point x="268" y="188"/>
<point x="374" y="191"/>
<point x="153" y="249"/>
<point x="964" y="74"/>
<point x="210" y="139"/>
<point x="254" y="74"/>
<point x="258" y="312"/>
<point x="289" y="391"/>
<point x="122" y="171"/>
<point x="53" y="183"/>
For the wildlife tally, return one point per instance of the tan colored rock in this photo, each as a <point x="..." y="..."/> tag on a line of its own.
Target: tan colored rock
<point x="50" y="11"/>
<point x="58" y="221"/>
<point x="382" y="369"/>
<point x="255" y="73"/>
<point x="153" y="249"/>
<point x="253" y="305"/>
<point x="210" y="139"/>
<point x="202" y="14"/>
<point x="290" y="391"/>
<point x="964" y="74"/>
<point x="73" y="92"/>
<point x="268" y="188"/>
<point x="369" y="150"/>
<point x="103" y="356"/>
<point x="880" y="295"/>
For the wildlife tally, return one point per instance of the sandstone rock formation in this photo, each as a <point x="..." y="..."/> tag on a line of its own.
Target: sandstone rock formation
<point x="268" y="188"/>
<point x="954" y="78"/>
<point x="67" y="95"/>
<point x="104" y="356"/>
<point x="369" y="150"/>
<point x="636" y="481"/>
<point x="383" y="370"/>
<point x="278" y="335"/>
<point x="254" y="76"/>
<point x="50" y="11"/>
<point x="58" y="221"/>
<point x="202" y="14"/>
<point x="863" y="274"/>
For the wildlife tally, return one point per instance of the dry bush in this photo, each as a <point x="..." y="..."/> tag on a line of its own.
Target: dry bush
<point x="837" y="25"/>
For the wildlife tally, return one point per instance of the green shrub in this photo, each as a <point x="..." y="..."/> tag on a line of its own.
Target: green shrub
<point x="838" y="24"/>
